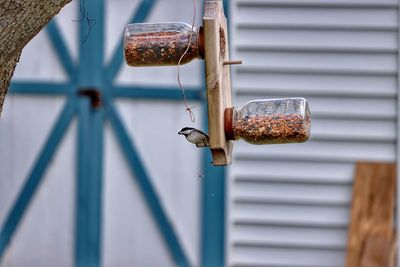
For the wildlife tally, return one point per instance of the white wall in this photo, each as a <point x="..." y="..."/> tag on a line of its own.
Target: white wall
<point x="289" y="204"/>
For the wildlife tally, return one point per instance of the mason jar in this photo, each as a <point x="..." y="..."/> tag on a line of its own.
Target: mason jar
<point x="162" y="44"/>
<point x="269" y="121"/>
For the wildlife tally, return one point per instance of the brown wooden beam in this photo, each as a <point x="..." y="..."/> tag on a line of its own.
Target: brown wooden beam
<point x="371" y="240"/>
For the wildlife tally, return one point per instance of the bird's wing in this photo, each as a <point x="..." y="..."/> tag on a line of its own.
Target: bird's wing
<point x="200" y="131"/>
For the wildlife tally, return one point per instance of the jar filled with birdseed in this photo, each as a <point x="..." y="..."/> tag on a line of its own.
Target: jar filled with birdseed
<point x="269" y="121"/>
<point x="162" y="44"/>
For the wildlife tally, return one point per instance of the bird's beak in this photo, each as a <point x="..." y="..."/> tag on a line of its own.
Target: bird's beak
<point x="180" y="133"/>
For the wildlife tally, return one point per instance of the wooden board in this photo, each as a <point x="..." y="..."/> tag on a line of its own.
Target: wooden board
<point x="371" y="235"/>
<point x="218" y="81"/>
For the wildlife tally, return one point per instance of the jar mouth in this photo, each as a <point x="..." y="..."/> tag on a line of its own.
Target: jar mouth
<point x="200" y="42"/>
<point x="228" y="123"/>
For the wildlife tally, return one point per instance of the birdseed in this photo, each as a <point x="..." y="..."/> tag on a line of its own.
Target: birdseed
<point x="272" y="129"/>
<point x="160" y="48"/>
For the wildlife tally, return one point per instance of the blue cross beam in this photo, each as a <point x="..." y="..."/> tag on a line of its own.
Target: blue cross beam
<point x="90" y="94"/>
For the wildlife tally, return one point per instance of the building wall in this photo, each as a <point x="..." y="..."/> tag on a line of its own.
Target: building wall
<point x="289" y="204"/>
<point x="130" y="236"/>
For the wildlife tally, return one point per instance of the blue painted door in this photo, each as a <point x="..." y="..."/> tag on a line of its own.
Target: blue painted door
<point x="92" y="92"/>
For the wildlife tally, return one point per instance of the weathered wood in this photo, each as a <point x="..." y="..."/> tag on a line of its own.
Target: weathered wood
<point x="371" y="233"/>
<point x="217" y="79"/>
<point x="20" y="21"/>
<point x="378" y="251"/>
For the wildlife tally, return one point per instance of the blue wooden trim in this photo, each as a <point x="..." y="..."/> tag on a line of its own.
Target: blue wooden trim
<point x="40" y="88"/>
<point x="35" y="176"/>
<point x="89" y="186"/>
<point x="143" y="180"/>
<point x="156" y="93"/>
<point x="90" y="139"/>
<point x="91" y="45"/>
<point x="82" y="204"/>
<point x="61" y="49"/>
<point x="96" y="186"/>
<point x="226" y="9"/>
<point x="116" y="60"/>
<point x="213" y="214"/>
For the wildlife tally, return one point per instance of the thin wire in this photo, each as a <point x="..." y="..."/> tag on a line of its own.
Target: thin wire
<point x="85" y="16"/>
<point x="82" y="11"/>
<point x="188" y="109"/>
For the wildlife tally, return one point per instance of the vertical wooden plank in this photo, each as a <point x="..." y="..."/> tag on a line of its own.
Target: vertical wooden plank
<point x="379" y="251"/>
<point x="372" y="215"/>
<point x="217" y="79"/>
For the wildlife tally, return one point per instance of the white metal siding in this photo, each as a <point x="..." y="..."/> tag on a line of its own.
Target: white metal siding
<point x="289" y="204"/>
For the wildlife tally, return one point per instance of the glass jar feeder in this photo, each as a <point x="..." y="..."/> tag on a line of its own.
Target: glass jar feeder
<point x="162" y="44"/>
<point x="269" y="121"/>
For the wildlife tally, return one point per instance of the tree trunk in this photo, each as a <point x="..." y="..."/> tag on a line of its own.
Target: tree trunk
<point x="20" y="21"/>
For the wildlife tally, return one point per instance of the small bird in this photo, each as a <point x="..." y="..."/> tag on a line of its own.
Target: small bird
<point x="195" y="136"/>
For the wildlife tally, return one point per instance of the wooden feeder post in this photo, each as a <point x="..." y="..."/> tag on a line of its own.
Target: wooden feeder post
<point x="218" y="81"/>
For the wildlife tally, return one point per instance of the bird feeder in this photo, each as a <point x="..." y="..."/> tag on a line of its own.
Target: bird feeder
<point x="162" y="44"/>
<point x="271" y="121"/>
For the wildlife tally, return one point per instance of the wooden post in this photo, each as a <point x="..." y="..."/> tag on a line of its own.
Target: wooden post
<point x="218" y="81"/>
<point x="371" y="234"/>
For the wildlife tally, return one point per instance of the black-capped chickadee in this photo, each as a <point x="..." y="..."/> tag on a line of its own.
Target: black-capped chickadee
<point x="195" y="136"/>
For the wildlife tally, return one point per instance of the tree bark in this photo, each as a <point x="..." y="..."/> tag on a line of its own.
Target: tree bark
<point x="20" y="21"/>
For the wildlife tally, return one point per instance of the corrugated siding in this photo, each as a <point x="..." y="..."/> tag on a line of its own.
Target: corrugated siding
<point x="289" y="204"/>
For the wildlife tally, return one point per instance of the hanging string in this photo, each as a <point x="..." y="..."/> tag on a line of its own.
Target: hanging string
<point x="85" y="16"/>
<point x="188" y="109"/>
